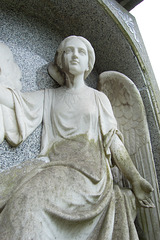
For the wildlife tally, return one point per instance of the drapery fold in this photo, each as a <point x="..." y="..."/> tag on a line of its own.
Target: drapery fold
<point x="72" y="196"/>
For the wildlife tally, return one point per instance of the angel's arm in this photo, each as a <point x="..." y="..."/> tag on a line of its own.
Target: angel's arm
<point x="6" y="97"/>
<point x="141" y="187"/>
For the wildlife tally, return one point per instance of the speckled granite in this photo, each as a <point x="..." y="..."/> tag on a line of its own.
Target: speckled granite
<point x="33" y="29"/>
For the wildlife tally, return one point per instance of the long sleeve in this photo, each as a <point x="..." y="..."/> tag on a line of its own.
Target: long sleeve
<point x="27" y="114"/>
<point x="107" y="121"/>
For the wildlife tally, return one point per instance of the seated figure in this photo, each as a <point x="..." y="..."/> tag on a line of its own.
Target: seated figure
<point x="71" y="195"/>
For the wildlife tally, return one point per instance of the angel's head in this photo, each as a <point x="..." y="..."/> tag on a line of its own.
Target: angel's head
<point x="85" y="56"/>
<point x="10" y="73"/>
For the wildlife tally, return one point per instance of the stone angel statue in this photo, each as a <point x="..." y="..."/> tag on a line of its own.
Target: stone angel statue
<point x="71" y="195"/>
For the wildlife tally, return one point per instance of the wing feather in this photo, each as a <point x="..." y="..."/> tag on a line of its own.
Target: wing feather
<point x="131" y="118"/>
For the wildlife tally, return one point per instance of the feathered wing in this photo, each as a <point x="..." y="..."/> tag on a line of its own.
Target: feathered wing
<point x="129" y="111"/>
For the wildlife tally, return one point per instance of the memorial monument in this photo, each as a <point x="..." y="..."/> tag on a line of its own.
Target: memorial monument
<point x="84" y="196"/>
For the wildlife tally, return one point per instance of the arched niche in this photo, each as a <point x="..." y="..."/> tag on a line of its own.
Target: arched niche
<point x="33" y="30"/>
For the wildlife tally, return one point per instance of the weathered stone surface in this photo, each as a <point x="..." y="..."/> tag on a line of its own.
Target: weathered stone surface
<point x="33" y="37"/>
<point x="10" y="179"/>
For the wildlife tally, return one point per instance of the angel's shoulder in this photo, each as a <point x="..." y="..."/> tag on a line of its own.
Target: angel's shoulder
<point x="101" y="96"/>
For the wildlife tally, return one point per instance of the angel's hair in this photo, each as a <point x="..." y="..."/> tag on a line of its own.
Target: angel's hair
<point x="91" y="53"/>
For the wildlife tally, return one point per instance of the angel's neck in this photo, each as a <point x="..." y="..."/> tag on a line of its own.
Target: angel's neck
<point x="75" y="82"/>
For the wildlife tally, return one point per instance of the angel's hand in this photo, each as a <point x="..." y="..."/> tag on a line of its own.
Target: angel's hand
<point x="142" y="190"/>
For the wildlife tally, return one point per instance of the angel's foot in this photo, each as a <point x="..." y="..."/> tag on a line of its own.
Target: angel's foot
<point x="142" y="190"/>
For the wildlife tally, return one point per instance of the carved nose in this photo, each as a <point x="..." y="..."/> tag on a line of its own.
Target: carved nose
<point x="75" y="54"/>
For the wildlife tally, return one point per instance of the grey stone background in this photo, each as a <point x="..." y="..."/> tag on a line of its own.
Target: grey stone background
<point x="33" y="30"/>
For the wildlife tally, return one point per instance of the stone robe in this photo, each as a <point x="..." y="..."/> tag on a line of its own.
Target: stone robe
<point x="73" y="195"/>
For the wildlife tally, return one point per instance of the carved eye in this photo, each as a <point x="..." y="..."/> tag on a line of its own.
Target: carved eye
<point x="68" y="50"/>
<point x="82" y="51"/>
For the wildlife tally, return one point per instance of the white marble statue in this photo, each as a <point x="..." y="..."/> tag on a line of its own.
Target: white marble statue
<point x="10" y="76"/>
<point x="10" y="73"/>
<point x="71" y="195"/>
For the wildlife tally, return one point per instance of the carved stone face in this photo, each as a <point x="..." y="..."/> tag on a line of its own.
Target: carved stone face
<point x="75" y="57"/>
<point x="10" y="73"/>
<point x="6" y="58"/>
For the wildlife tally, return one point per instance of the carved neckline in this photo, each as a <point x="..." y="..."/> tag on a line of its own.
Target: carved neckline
<point x="75" y="91"/>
